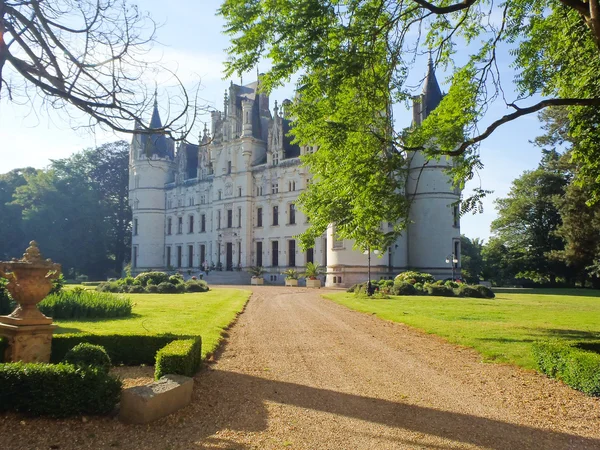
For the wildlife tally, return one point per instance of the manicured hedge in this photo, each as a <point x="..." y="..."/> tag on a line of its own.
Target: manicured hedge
<point x="82" y="304"/>
<point x="439" y="290"/>
<point x="127" y="349"/>
<point x="577" y="368"/>
<point x="88" y="355"/>
<point x="56" y="389"/>
<point x="181" y="357"/>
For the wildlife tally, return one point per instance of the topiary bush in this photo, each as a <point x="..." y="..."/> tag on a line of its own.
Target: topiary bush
<point x="57" y="390"/>
<point x="452" y="284"/>
<point x="413" y="277"/>
<point x="466" y="290"/>
<point x="182" y="357"/>
<point x="404" y="288"/>
<point x="137" y="289"/>
<point x="152" y="277"/>
<point x="167" y="288"/>
<point x="439" y="290"/>
<point x="196" y="286"/>
<point x="176" y="279"/>
<point x="83" y="304"/>
<point x="152" y="289"/>
<point x="577" y="368"/>
<point x="485" y="291"/>
<point x="88" y="355"/>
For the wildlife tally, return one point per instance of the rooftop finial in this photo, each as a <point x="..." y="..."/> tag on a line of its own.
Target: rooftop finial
<point x="155" y="95"/>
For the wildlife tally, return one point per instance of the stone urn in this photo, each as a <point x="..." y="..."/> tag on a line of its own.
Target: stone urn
<point x="257" y="281"/>
<point x="29" y="332"/>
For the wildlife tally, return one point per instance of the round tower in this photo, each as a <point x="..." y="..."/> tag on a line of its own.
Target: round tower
<point x="151" y="166"/>
<point x="434" y="232"/>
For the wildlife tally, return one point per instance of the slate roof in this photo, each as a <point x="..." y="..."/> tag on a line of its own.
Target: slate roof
<point x="157" y="144"/>
<point x="432" y="94"/>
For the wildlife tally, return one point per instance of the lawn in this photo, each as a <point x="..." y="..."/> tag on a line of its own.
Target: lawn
<point x="203" y="313"/>
<point x="501" y="329"/>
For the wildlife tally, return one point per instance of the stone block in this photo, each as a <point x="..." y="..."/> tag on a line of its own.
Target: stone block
<point x="143" y="404"/>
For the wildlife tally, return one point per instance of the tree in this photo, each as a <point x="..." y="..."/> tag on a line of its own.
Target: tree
<point x="471" y="261"/>
<point x="357" y="55"/>
<point x="499" y="267"/>
<point x="88" y="54"/>
<point x="13" y="241"/>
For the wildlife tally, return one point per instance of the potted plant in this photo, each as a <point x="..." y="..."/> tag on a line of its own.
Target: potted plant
<point x="291" y="277"/>
<point x="313" y="270"/>
<point x="257" y="274"/>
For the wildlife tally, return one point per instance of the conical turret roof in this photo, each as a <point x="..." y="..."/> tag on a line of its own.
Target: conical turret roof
<point x="432" y="94"/>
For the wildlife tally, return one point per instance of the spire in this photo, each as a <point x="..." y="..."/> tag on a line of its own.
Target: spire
<point x="155" y="122"/>
<point x="432" y="94"/>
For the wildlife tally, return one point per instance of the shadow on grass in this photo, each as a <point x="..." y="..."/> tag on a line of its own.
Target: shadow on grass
<point x="100" y="319"/>
<point x="566" y="334"/>
<point x="575" y="292"/>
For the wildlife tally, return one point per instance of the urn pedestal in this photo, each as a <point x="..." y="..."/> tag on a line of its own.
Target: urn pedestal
<point x="28" y="331"/>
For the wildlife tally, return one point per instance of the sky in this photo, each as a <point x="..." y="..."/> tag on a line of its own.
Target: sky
<point x="192" y="44"/>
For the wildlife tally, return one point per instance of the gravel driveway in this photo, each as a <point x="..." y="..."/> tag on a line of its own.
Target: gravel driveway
<point x="299" y="371"/>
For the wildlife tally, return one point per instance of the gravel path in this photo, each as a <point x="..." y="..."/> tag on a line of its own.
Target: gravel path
<point x="299" y="371"/>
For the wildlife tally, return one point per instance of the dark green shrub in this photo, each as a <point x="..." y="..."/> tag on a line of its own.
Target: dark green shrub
<point x="452" y="284"/>
<point x="466" y="290"/>
<point x="127" y="281"/>
<point x="103" y="287"/>
<point x="439" y="290"/>
<point x="152" y="289"/>
<point x="137" y="289"/>
<point x="353" y="288"/>
<point x="387" y="283"/>
<point x="88" y="355"/>
<point x="7" y="304"/>
<point x="167" y="288"/>
<point x="182" y="357"/>
<point x="196" y="286"/>
<point x="128" y="349"/>
<point x="3" y="345"/>
<point x="577" y="368"/>
<point x="56" y="389"/>
<point x="180" y="288"/>
<point x="92" y="283"/>
<point x="176" y="279"/>
<point x="73" y="304"/>
<point x="404" y="288"/>
<point x="58" y="284"/>
<point x="152" y="277"/>
<point x="419" y="287"/>
<point x="485" y="291"/>
<point x="415" y="277"/>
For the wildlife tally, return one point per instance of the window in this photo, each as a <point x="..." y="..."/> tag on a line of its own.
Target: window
<point x="239" y="192"/>
<point x="292" y="186"/>
<point x="292" y="214"/>
<point x="169" y="223"/>
<point x="456" y="216"/>
<point x="179" y="256"/>
<point x="292" y="253"/>
<point x="259" y="217"/>
<point x="190" y="256"/>
<point x="179" y="225"/>
<point x="310" y="255"/>
<point x="239" y="218"/>
<point x="191" y="201"/>
<point x="202" y="255"/>
<point x="229" y="218"/>
<point x="275" y="158"/>
<point x="457" y="252"/>
<point x="274" y="188"/>
<point x="135" y="256"/>
<point x="259" y="252"/>
<point x="202" y="199"/>
<point x="259" y="191"/>
<point x="203" y="223"/>
<point x="190" y="224"/>
<point x="228" y="167"/>
<point x="135" y="227"/>
<point x="275" y="215"/>
<point x="218" y="219"/>
<point x="274" y="253"/>
<point x="220" y="194"/>
<point x="168" y="256"/>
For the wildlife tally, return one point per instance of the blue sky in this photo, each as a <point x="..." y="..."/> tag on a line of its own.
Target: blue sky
<point x="192" y="43"/>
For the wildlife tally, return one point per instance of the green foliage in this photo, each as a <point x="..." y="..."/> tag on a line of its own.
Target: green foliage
<point x="579" y="369"/>
<point x="128" y="349"/>
<point x="451" y="284"/>
<point x="439" y="290"/>
<point x="152" y="278"/>
<point x="176" y="279"/>
<point x="291" y="274"/>
<point x="404" y="288"/>
<point x="79" y="304"/>
<point x="167" y="288"/>
<point x="466" y="290"/>
<point x="152" y="289"/>
<point x="3" y="345"/>
<point x="313" y="270"/>
<point x="7" y="304"/>
<point x="256" y="271"/>
<point x="86" y="355"/>
<point x="57" y="390"/>
<point x="181" y="357"/>
<point x="415" y="277"/>
<point x="58" y="284"/>
<point x="471" y="259"/>
<point x="196" y="286"/>
<point x="485" y="291"/>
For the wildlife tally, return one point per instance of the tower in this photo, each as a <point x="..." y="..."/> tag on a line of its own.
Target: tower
<point x="434" y="232"/>
<point x="151" y="166"/>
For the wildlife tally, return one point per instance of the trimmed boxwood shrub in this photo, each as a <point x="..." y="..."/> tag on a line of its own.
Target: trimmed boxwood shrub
<point x="76" y="304"/>
<point x="152" y="278"/>
<point x="485" y="291"/>
<point x="196" y="286"/>
<point x="167" y="288"/>
<point x="181" y="357"/>
<point x="176" y="279"/>
<point x="466" y="290"/>
<point x="577" y="368"/>
<point x="152" y="289"/>
<point x="56" y="389"/>
<point x="439" y="290"/>
<point x="413" y="277"/>
<point x="88" y="355"/>
<point x="128" y="349"/>
<point x="404" y="288"/>
<point x="137" y="289"/>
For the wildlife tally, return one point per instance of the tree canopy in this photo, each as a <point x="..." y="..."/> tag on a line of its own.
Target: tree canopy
<point x="354" y="58"/>
<point x="86" y="55"/>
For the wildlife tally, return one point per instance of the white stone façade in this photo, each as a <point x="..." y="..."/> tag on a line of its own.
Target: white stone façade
<point x="230" y="202"/>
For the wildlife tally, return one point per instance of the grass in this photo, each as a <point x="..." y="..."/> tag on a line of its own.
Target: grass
<point x="206" y="314"/>
<point x="501" y="329"/>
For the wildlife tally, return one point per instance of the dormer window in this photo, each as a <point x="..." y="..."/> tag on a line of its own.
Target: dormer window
<point x="275" y="158"/>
